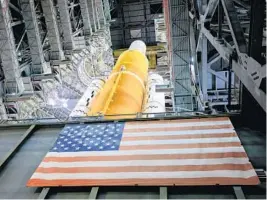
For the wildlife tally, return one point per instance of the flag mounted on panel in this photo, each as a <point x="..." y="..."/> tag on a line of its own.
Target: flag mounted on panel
<point x="203" y="151"/>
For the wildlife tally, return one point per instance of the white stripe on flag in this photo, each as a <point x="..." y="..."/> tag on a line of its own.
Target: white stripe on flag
<point x="145" y="175"/>
<point x="147" y="152"/>
<point x="184" y="132"/>
<point x="180" y="141"/>
<point x="178" y="124"/>
<point x="126" y="163"/>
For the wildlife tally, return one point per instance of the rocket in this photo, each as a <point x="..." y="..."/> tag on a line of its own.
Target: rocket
<point x="123" y="93"/>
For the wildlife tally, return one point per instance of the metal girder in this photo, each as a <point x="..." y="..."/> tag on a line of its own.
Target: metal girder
<point x="87" y="29"/>
<point x="10" y="65"/>
<point x="223" y="50"/>
<point x="100" y="12"/>
<point x="239" y="192"/>
<point x="68" y="42"/>
<point x="43" y="193"/>
<point x="56" y="51"/>
<point x="107" y="10"/>
<point x="179" y="28"/>
<point x="93" y="193"/>
<point x="204" y="68"/>
<point x="249" y="71"/>
<point x="39" y="65"/>
<point x="93" y="15"/>
<point x="12" y="6"/>
<point x="210" y="10"/>
<point x="234" y="25"/>
<point x="242" y="3"/>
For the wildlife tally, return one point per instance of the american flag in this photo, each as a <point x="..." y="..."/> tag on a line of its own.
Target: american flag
<point x="203" y="151"/>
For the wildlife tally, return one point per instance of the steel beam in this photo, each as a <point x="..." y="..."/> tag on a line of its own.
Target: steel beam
<point x="97" y="15"/>
<point x="100" y="12"/>
<point x="39" y="65"/>
<point x="93" y="193"/>
<point x="107" y="10"/>
<point x="68" y="42"/>
<point x="12" y="6"/>
<point x="87" y="29"/>
<point x="220" y="20"/>
<point x="93" y="15"/>
<point x="8" y="53"/>
<point x="56" y="51"/>
<point x="239" y="192"/>
<point x="8" y="156"/>
<point x="234" y="25"/>
<point x="179" y="28"/>
<point x="204" y="68"/>
<point x="210" y="10"/>
<point x="245" y="71"/>
<point x="44" y="193"/>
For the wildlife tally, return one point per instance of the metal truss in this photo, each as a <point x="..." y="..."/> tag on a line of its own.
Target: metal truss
<point x="235" y="52"/>
<point x="39" y="66"/>
<point x="10" y="64"/>
<point x="179" y="47"/>
<point x="39" y="39"/>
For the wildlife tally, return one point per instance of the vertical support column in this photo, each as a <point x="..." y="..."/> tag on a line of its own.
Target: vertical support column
<point x="39" y="65"/>
<point x="97" y="15"/>
<point x="8" y="53"/>
<point x="107" y="10"/>
<point x="230" y="81"/>
<point x="220" y="20"/>
<point x="92" y="13"/>
<point x="100" y="12"/>
<point x="86" y="17"/>
<point x="56" y="52"/>
<point x="250" y="108"/>
<point x="204" y="68"/>
<point x="179" y="27"/>
<point x="68" y="43"/>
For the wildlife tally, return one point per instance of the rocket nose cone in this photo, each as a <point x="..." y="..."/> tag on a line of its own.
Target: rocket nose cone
<point x="138" y="45"/>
